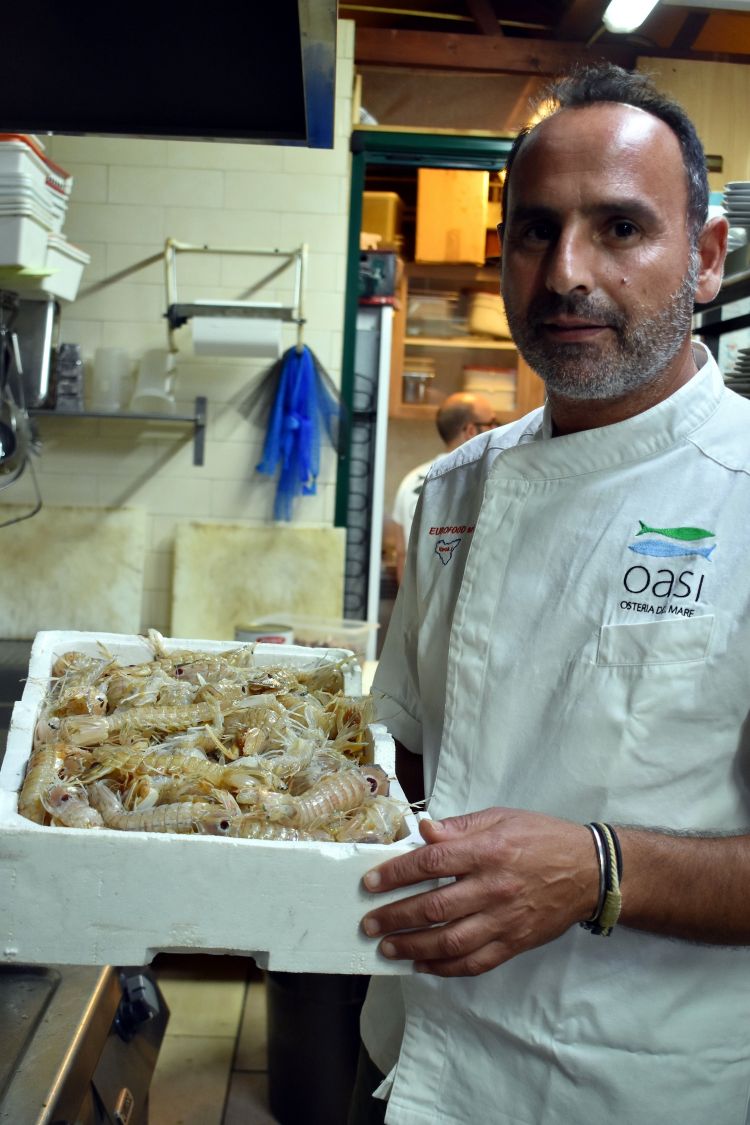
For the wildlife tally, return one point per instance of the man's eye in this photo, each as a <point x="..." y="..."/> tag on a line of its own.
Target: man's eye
<point x="538" y="232"/>
<point x="623" y="228"/>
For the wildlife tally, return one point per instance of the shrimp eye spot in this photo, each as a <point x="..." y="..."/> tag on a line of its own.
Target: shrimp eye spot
<point x="224" y="825"/>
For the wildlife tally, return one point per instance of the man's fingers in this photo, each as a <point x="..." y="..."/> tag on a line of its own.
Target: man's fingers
<point x="433" y="831"/>
<point x="467" y="947"/>
<point x="434" y="861"/>
<point x="471" y="965"/>
<point x="460" y="899"/>
<point x="449" y="852"/>
<point x="432" y="908"/>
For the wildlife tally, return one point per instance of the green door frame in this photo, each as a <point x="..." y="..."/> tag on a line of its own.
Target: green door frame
<point x="423" y="150"/>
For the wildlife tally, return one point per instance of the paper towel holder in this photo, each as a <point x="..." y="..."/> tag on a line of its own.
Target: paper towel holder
<point x="178" y="313"/>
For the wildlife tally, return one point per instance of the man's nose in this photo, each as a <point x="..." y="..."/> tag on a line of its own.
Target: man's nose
<point x="570" y="263"/>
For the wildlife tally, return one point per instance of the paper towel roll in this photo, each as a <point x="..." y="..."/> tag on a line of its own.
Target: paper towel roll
<point x="259" y="337"/>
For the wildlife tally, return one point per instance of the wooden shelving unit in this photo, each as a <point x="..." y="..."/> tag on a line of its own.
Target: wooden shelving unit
<point x="483" y="343"/>
<point x="449" y="351"/>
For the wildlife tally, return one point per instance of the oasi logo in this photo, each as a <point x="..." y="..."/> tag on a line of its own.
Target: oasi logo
<point x="662" y="549"/>
<point x="664" y="582"/>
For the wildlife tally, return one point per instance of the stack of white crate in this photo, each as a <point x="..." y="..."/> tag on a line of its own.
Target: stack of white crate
<point x="34" y="254"/>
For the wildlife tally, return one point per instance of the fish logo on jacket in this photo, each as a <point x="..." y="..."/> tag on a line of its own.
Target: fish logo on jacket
<point x="663" y="549"/>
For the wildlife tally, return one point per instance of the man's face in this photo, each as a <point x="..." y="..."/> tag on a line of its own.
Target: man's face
<point x="597" y="273"/>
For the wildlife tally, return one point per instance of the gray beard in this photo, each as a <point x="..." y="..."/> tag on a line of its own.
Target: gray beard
<point x="640" y="353"/>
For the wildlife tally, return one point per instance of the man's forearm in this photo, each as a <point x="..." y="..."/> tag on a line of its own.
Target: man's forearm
<point x="688" y="887"/>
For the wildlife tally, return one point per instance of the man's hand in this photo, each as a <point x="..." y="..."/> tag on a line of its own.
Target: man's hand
<point x="521" y="879"/>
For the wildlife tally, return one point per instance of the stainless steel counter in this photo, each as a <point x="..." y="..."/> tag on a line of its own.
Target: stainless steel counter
<point x="79" y="1044"/>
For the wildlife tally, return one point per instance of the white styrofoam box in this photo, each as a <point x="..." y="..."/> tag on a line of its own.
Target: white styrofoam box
<point x="23" y="239"/>
<point x="99" y="896"/>
<point x="67" y="263"/>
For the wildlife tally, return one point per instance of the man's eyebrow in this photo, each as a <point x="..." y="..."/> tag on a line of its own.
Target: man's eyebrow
<point x="625" y="207"/>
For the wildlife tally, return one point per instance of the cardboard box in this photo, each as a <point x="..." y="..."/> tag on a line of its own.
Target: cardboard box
<point x="382" y="213"/>
<point x="99" y="896"/>
<point x="451" y="215"/>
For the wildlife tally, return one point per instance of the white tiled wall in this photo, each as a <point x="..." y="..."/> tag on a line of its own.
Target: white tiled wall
<point x="129" y="196"/>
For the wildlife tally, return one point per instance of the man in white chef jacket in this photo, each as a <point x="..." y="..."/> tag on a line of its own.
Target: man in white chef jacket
<point x="571" y="646"/>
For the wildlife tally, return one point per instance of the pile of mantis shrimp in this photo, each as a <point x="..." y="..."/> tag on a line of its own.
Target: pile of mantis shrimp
<point x="212" y="743"/>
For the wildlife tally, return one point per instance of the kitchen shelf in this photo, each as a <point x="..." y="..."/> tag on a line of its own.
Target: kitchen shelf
<point x="446" y="350"/>
<point x="483" y="343"/>
<point x="197" y="420"/>
<point x="422" y="411"/>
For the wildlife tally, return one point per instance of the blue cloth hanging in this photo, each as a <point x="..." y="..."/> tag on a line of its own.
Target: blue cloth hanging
<point x="292" y="443"/>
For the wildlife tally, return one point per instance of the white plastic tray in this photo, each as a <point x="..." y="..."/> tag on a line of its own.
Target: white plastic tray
<point x="98" y="896"/>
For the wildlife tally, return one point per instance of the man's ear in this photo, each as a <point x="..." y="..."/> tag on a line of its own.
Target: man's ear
<point x="712" y="248"/>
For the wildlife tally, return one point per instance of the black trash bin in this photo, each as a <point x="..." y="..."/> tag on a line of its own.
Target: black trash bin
<point x="313" y="1044"/>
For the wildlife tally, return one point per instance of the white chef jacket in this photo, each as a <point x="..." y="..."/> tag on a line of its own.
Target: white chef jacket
<point x="562" y="643"/>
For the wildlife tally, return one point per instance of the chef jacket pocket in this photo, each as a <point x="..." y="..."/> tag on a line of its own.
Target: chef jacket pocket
<point x="655" y="642"/>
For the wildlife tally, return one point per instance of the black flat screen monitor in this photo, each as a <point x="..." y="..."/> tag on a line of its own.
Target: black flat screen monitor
<point x="215" y="70"/>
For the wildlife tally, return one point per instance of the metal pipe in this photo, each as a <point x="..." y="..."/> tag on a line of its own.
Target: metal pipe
<point x="188" y="248"/>
<point x="170" y="280"/>
<point x="299" y="294"/>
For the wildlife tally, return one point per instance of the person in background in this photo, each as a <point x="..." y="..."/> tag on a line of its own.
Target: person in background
<point x="571" y="681"/>
<point x="460" y="417"/>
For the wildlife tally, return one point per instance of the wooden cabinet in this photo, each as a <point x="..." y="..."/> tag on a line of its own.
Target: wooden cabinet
<point x="454" y="355"/>
<point x="452" y="207"/>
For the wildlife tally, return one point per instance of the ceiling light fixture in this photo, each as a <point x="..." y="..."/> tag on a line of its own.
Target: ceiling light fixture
<point x="627" y="15"/>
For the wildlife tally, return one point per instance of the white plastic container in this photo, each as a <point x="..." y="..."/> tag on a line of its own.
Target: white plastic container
<point x="20" y="154"/>
<point x="153" y="387"/>
<point x="325" y="632"/>
<point x="23" y="239"/>
<point x="98" y="896"/>
<point x="487" y="316"/>
<point x="22" y="191"/>
<point x="497" y="384"/>
<point x="111" y="372"/>
<point x="267" y="632"/>
<point x="66" y="263"/>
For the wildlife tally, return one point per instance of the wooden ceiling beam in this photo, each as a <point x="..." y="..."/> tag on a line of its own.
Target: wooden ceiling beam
<point x="690" y="30"/>
<point x="436" y="51"/>
<point x="484" y="16"/>
<point x="580" y="20"/>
